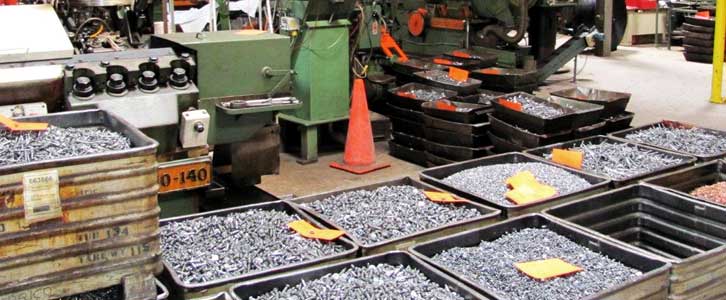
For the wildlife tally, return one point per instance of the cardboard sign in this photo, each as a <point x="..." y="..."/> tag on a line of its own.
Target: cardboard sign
<point x="441" y="197"/>
<point x="458" y="74"/>
<point x="547" y="269"/>
<point x="572" y="159"/>
<point x="307" y="230"/>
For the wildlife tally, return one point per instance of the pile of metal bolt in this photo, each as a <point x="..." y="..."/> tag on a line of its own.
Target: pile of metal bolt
<point x="620" y="160"/>
<point x="382" y="281"/>
<point x="491" y="264"/>
<point x="112" y="293"/>
<point x="714" y="192"/>
<point x="388" y="212"/>
<point x="542" y="109"/>
<point x="688" y="140"/>
<point x="488" y="182"/>
<point x="443" y="77"/>
<point x="216" y="247"/>
<point x="56" y="142"/>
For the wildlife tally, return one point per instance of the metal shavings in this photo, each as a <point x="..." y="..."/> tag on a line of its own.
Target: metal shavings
<point x="693" y="141"/>
<point x="388" y="212"/>
<point x="489" y="182"/>
<point x="57" y="142"/>
<point x="542" y="109"/>
<point x="491" y="264"/>
<point x="381" y="281"/>
<point x="714" y="193"/>
<point x="217" y="247"/>
<point x="621" y="161"/>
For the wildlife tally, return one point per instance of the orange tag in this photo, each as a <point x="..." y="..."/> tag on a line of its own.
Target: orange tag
<point x="444" y="105"/>
<point x="529" y="193"/>
<point x="490" y="71"/>
<point x="458" y="74"/>
<point x="510" y="104"/>
<point x="307" y="230"/>
<point x="442" y="61"/>
<point x="440" y="197"/>
<point x="460" y="54"/>
<point x="572" y="159"/>
<point x="22" y="126"/>
<point x="704" y="14"/>
<point x="521" y="179"/>
<point x="546" y="269"/>
<point x="406" y="95"/>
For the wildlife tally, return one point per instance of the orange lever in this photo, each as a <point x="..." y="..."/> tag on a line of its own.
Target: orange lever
<point x="388" y="43"/>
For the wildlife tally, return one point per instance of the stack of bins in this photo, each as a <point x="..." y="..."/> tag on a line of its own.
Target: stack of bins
<point x="689" y="234"/>
<point x="614" y="115"/>
<point x="506" y="80"/>
<point x="106" y="232"/>
<point x="518" y="130"/>
<point x="405" y="112"/>
<point x="698" y="39"/>
<point x="588" y="117"/>
<point x="456" y="131"/>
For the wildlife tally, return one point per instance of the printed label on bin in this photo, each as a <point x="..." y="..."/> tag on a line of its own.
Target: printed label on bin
<point x="307" y="230"/>
<point x="441" y="197"/>
<point x="41" y="196"/>
<point x="572" y="159"/>
<point x="547" y="269"/>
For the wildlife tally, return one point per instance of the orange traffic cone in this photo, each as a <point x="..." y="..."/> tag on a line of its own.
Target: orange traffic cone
<point x="360" y="153"/>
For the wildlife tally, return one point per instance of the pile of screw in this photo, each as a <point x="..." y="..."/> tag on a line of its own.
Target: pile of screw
<point x="491" y="265"/>
<point x="714" y="192"/>
<point x="443" y="77"/>
<point x="693" y="141"/>
<point x="424" y="94"/>
<point x="620" y="160"/>
<point x="111" y="293"/>
<point x="388" y="212"/>
<point x="541" y="109"/>
<point x="489" y="182"/>
<point x="381" y="281"/>
<point x="209" y="248"/>
<point x="56" y="142"/>
<point x="420" y="64"/>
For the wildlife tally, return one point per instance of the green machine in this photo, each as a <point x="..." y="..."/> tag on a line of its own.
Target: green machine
<point x="320" y="58"/>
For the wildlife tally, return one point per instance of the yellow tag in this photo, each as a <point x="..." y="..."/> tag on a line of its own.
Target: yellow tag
<point x="307" y="230"/>
<point x="520" y="179"/>
<point x="572" y="159"/>
<point x="530" y="193"/>
<point x="441" y="197"/>
<point x="41" y="197"/>
<point x="543" y="270"/>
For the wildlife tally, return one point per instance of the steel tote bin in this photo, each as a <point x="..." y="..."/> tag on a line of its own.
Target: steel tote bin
<point x="487" y="216"/>
<point x="687" y="233"/>
<point x="684" y="181"/>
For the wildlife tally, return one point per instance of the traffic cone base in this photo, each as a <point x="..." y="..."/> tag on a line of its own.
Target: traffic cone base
<point x="360" y="152"/>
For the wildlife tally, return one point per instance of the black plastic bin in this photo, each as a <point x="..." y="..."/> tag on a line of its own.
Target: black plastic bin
<point x="619" y="122"/>
<point x="485" y="60"/>
<point x="482" y="96"/>
<point x="457" y="153"/>
<point x="408" y="140"/>
<point x="398" y="97"/>
<point x="433" y="78"/>
<point x="433" y="160"/>
<point x="502" y="145"/>
<point x="451" y="138"/>
<point x="412" y="155"/>
<point x="504" y="79"/>
<point x="404" y="113"/>
<point x="651" y="285"/>
<point x="398" y="258"/>
<point x="408" y="127"/>
<point x="674" y="124"/>
<point x="435" y="176"/>
<point x="614" y="103"/>
<point x="523" y="138"/>
<point x="534" y="123"/>
<point x="690" y="234"/>
<point x="467" y="113"/>
<point x="456" y="128"/>
<point x="585" y="113"/>
<point x="588" y="131"/>
<point x="684" y="181"/>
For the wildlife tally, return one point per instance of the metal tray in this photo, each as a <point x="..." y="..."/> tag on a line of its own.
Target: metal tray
<point x="433" y="160"/>
<point x="140" y="143"/>
<point x="488" y="216"/>
<point x="407" y="127"/>
<point x="673" y="124"/>
<point x="436" y="175"/>
<point x="411" y="103"/>
<point x="496" y="78"/>
<point x="588" y="131"/>
<point x="690" y="234"/>
<point x="466" y="113"/>
<point x="465" y="88"/>
<point x="684" y="181"/>
<point x="162" y="293"/>
<point x="463" y="63"/>
<point x="260" y="287"/>
<point x="457" y="153"/>
<point x="534" y="123"/>
<point x="482" y="96"/>
<point x="700" y="21"/>
<point x="416" y="156"/>
<point x="405" y="113"/>
<point x="688" y="160"/>
<point x="614" y="103"/>
<point x="619" y="122"/>
<point x="408" y="140"/>
<point x="485" y="60"/>
<point x="456" y="128"/>
<point x="585" y="113"/>
<point x="651" y="285"/>
<point x="502" y="145"/>
<point x="182" y="290"/>
<point x="449" y="138"/>
<point x="523" y="138"/>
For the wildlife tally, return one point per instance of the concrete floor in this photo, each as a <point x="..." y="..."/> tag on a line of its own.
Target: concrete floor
<point x="663" y="85"/>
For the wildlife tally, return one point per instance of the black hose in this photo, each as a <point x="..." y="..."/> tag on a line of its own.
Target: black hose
<point x="499" y="31"/>
<point x="89" y="20"/>
<point x="587" y="10"/>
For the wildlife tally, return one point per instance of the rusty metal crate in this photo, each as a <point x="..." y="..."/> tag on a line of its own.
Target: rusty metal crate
<point x="182" y="290"/>
<point x="488" y="216"/>
<point x="689" y="234"/>
<point x="652" y="285"/>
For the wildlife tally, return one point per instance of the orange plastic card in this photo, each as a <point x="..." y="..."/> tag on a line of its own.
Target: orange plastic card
<point x="529" y="193"/>
<point x="444" y="105"/>
<point x="572" y="159"/>
<point x="22" y="126"/>
<point x="521" y="179"/>
<point x="490" y="71"/>
<point x="406" y="95"/>
<point x="442" y="61"/>
<point x="547" y="269"/>
<point x="441" y="197"/>
<point x="460" y="54"/>
<point x="704" y="14"/>
<point x="307" y="230"/>
<point x="458" y="74"/>
<point x="511" y="105"/>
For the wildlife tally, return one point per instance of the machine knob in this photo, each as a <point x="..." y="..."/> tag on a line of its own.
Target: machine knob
<point x="116" y="85"/>
<point x="179" y="78"/>
<point x="199" y="127"/>
<point x="148" y="82"/>
<point x="83" y="87"/>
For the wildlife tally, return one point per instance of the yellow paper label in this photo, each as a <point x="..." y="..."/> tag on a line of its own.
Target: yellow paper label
<point x="41" y="196"/>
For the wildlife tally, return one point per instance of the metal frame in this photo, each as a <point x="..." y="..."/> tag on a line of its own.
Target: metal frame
<point x="718" y="53"/>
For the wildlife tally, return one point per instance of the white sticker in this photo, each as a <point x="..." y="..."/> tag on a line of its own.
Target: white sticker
<point x="41" y="197"/>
